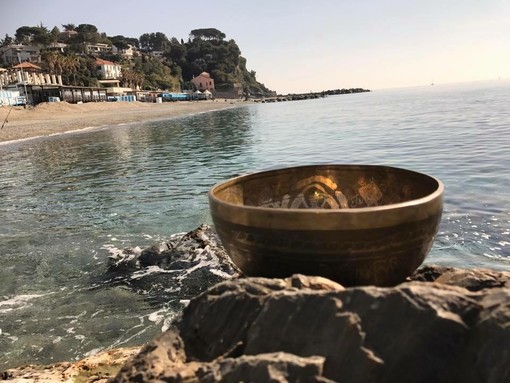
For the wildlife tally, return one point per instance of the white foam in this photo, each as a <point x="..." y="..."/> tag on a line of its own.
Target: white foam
<point x="159" y="316"/>
<point x="18" y="302"/>
<point x="497" y="257"/>
<point x="96" y="313"/>
<point x="151" y="270"/>
<point x="93" y="352"/>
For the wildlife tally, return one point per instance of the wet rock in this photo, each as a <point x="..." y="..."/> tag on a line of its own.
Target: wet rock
<point x="471" y="279"/>
<point x="175" y="270"/>
<point x="310" y="329"/>
<point x="201" y="243"/>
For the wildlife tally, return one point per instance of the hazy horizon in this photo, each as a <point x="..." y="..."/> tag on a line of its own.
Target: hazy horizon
<point x="300" y="46"/>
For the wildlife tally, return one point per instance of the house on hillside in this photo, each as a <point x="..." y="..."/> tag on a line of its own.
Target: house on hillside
<point x="98" y="48"/>
<point x="57" y="47"/>
<point x="128" y="52"/>
<point x="110" y="74"/>
<point x="67" y="35"/>
<point x="157" y="54"/>
<point x="14" y="53"/>
<point x="108" y="70"/>
<point x="203" y="82"/>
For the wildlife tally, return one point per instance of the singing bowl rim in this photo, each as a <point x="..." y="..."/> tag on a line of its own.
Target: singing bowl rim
<point x="322" y="219"/>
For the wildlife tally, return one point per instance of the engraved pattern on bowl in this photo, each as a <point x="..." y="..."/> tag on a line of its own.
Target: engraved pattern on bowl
<point x="356" y="224"/>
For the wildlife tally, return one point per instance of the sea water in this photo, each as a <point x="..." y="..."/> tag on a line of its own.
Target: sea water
<point x="68" y="202"/>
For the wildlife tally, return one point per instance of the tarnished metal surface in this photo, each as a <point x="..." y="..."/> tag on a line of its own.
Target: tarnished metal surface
<point x="354" y="224"/>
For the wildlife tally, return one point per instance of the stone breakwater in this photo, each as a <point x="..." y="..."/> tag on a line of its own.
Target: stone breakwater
<point x="442" y="325"/>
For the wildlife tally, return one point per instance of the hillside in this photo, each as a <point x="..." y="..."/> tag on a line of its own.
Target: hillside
<point x="151" y="62"/>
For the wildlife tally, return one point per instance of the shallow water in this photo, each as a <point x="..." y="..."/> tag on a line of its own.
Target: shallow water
<point x="68" y="201"/>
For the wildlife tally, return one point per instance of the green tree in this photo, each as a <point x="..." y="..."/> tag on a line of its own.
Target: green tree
<point x="132" y="79"/>
<point x="71" y="66"/>
<point x="50" y="59"/>
<point x="33" y="35"/>
<point x="69" y="27"/>
<point x="87" y="33"/>
<point x="154" y="41"/>
<point x="55" y="33"/>
<point x="176" y="51"/>
<point x="6" y="41"/>
<point x="207" y="34"/>
<point x="120" y="42"/>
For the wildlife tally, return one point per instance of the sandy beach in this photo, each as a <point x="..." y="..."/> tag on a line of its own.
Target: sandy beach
<point x="51" y="118"/>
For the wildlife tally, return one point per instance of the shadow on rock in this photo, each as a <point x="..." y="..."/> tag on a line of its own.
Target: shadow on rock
<point x="310" y="329"/>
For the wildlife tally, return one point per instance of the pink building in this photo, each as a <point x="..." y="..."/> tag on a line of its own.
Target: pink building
<point x="203" y="82"/>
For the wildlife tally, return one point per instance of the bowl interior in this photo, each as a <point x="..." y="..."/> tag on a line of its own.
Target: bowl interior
<point x="327" y="187"/>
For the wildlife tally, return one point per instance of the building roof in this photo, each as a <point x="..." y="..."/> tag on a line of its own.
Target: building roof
<point x="26" y="65"/>
<point x="204" y="74"/>
<point x="104" y="62"/>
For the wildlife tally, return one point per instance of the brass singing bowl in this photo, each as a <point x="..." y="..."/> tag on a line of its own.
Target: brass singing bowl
<point x="354" y="224"/>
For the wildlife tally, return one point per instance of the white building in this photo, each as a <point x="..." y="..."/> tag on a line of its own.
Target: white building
<point x="98" y="48"/>
<point x="126" y="53"/>
<point x="108" y="70"/>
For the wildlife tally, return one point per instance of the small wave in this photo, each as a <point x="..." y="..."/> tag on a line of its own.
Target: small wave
<point x="18" y="302"/>
<point x="497" y="257"/>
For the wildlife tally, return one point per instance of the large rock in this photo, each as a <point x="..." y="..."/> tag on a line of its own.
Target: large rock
<point x="432" y="329"/>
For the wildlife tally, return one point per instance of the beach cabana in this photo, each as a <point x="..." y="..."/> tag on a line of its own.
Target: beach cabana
<point x="27" y="67"/>
<point x="197" y="95"/>
<point x="208" y="95"/>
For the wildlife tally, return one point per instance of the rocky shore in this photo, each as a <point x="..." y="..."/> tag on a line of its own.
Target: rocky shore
<point x="441" y="325"/>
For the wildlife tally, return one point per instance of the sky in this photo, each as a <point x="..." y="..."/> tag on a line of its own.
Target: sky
<point x="297" y="46"/>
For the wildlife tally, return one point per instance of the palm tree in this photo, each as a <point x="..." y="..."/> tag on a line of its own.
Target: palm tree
<point x="61" y="64"/>
<point x="132" y="79"/>
<point x="69" y="27"/>
<point x="72" y="64"/>
<point x="51" y="60"/>
<point x="139" y="79"/>
<point x="127" y="77"/>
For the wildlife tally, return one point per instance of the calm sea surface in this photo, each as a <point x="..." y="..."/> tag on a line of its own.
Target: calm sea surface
<point x="67" y="202"/>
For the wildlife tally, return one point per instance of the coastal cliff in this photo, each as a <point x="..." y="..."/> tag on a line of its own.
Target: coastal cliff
<point x="442" y="325"/>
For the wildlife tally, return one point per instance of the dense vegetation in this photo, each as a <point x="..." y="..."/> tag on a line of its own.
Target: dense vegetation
<point x="159" y="62"/>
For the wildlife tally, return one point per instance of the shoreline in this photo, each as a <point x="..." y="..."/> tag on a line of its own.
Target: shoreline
<point x="49" y="119"/>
